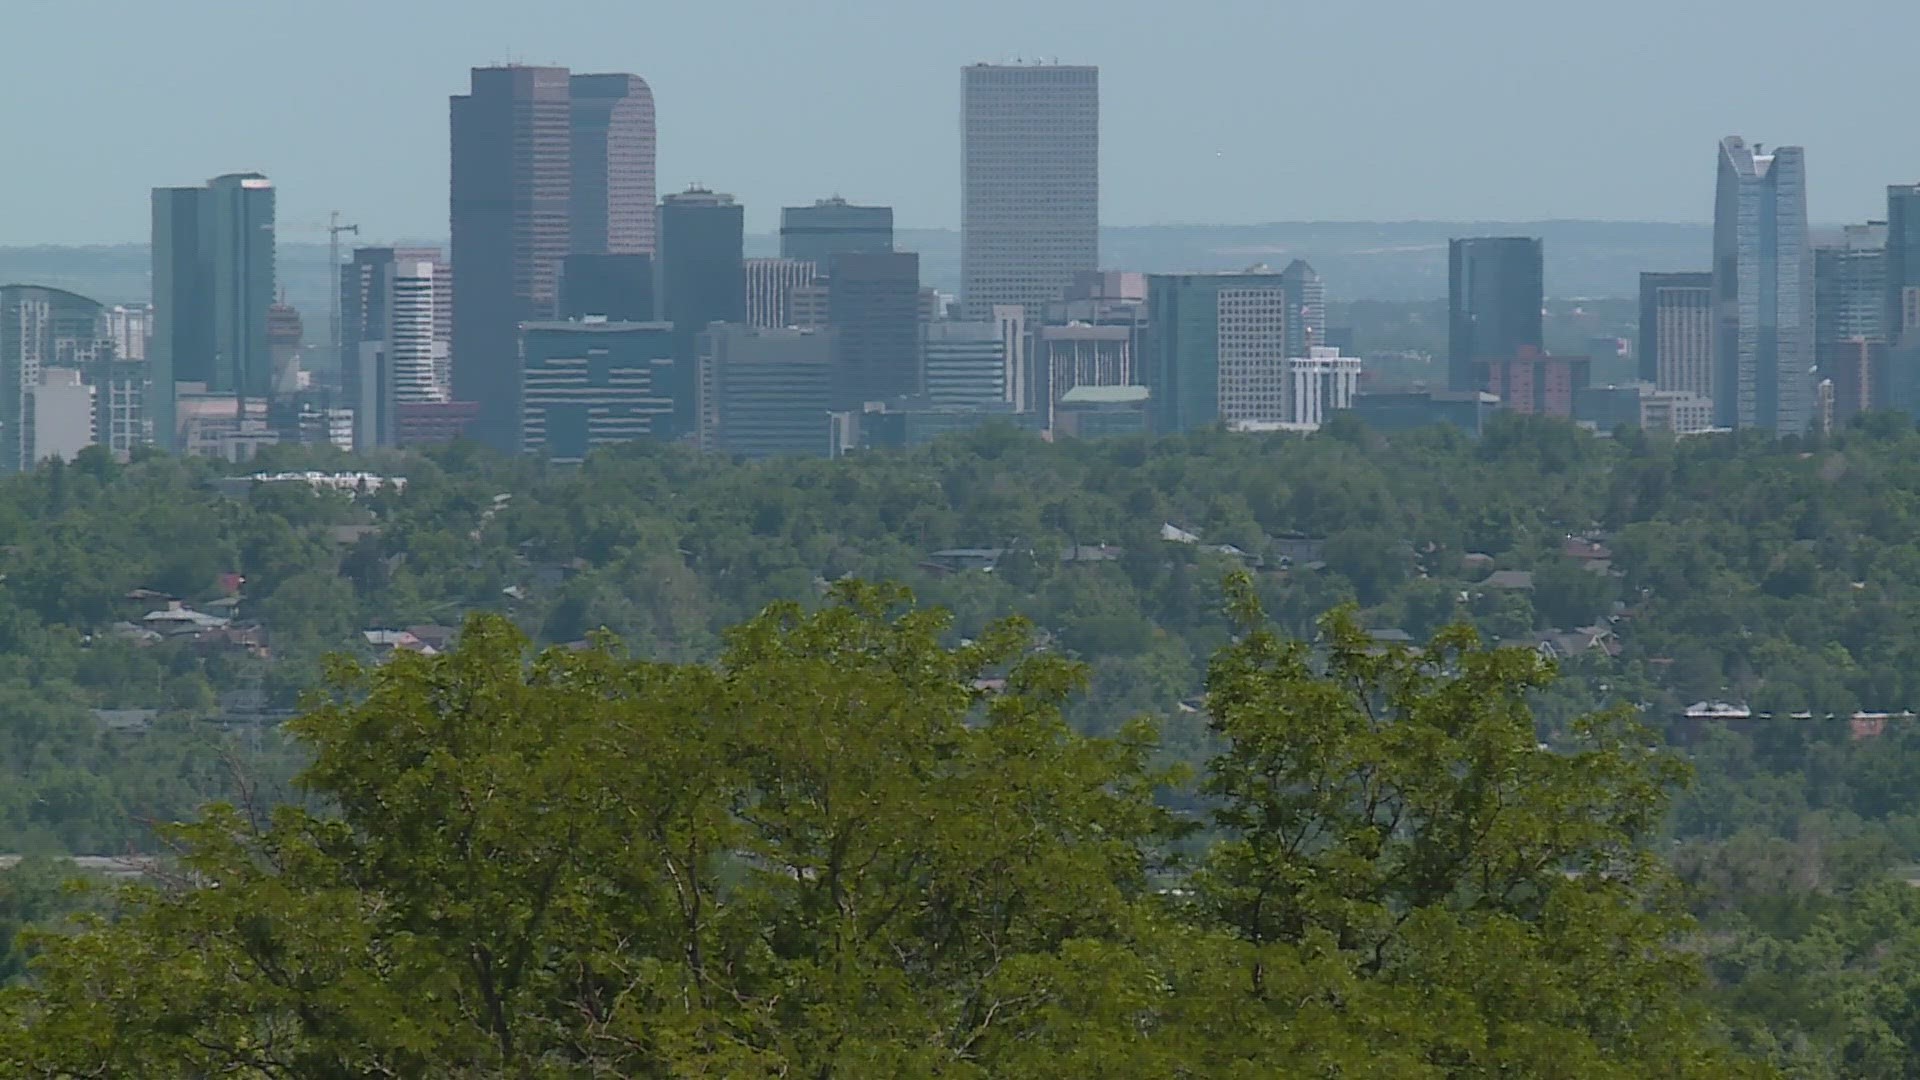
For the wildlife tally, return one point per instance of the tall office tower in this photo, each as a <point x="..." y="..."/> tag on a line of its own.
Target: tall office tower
<point x="702" y="260"/>
<point x="128" y="327"/>
<point x="770" y="288"/>
<point x="966" y="364"/>
<point x="1900" y="372"/>
<point x="1217" y="349"/>
<point x="873" y="305"/>
<point x="1902" y="267"/>
<point x="832" y="227"/>
<point x="1306" y="307"/>
<point x="610" y="204"/>
<point x="617" y="287"/>
<point x="1495" y="293"/>
<point x="1030" y="183"/>
<point x="413" y="351"/>
<point x="1676" y="331"/>
<point x="766" y="392"/>
<point x="701" y="280"/>
<point x="395" y="325"/>
<point x="40" y="328"/>
<point x="594" y="383"/>
<point x="237" y="238"/>
<point x="213" y="282"/>
<point x="181" y="348"/>
<point x="1850" y="285"/>
<point x="1763" y="290"/>
<point x="509" y="200"/>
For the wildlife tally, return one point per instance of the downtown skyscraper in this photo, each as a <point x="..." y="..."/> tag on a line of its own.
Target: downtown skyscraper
<point x="1763" y="325"/>
<point x="1495" y="293"/>
<point x="1901" y="267"/>
<point x="545" y="164"/>
<point x="832" y="227"/>
<point x="509" y="213"/>
<point x="213" y="281"/>
<point x="611" y="207"/>
<point x="1030" y="183"/>
<point x="396" y="323"/>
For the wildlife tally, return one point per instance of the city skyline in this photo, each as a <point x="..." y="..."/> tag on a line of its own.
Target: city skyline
<point x="1172" y="143"/>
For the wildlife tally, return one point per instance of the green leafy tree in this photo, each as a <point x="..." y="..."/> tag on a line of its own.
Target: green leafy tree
<point x="796" y="861"/>
<point x="1389" y="815"/>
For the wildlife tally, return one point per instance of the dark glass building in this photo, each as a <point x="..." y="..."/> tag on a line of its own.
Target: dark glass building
<point x="587" y="384"/>
<point x="618" y="287"/>
<point x="873" y="303"/>
<point x="237" y="233"/>
<point x="701" y="277"/>
<point x="702" y="260"/>
<point x="1902" y="263"/>
<point x="213" y="281"/>
<point x="1495" y="293"/>
<point x="766" y="392"/>
<point x="1216" y="348"/>
<point x="1850" y="286"/>
<point x="511" y="143"/>
<point x="612" y="197"/>
<point x="182" y="344"/>
<point x="832" y="227"/>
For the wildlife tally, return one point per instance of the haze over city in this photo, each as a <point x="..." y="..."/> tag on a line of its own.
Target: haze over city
<point x="1230" y="111"/>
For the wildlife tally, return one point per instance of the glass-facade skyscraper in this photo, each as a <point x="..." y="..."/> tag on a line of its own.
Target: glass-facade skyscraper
<point x="832" y="227"/>
<point x="1850" y="286"/>
<point x="237" y="229"/>
<point x="213" y="281"/>
<point x="1762" y="290"/>
<point x="1902" y="263"/>
<point x="1496" y="287"/>
<point x="1216" y="349"/>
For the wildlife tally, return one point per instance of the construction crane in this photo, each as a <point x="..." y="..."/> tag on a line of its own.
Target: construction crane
<point x="334" y="229"/>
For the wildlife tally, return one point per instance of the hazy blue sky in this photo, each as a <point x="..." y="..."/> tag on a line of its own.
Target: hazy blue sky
<point x="1213" y="110"/>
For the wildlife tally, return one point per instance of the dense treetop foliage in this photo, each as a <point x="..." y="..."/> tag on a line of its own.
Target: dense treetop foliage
<point x="1778" y="575"/>
<point x="846" y="849"/>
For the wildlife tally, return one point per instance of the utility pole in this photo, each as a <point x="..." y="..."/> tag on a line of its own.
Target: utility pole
<point x="334" y="229"/>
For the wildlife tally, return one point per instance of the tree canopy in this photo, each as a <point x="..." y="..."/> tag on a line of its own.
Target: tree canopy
<point x="848" y="848"/>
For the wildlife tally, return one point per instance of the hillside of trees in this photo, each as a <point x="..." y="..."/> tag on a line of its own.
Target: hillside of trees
<point x="1778" y="576"/>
